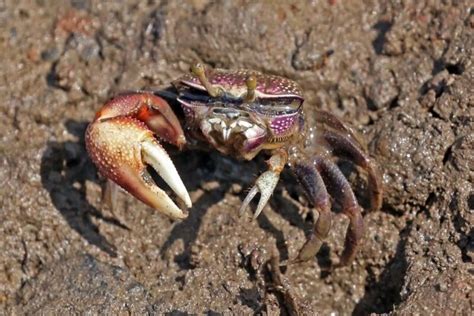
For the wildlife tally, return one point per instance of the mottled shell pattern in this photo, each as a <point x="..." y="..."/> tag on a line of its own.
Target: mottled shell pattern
<point x="233" y="82"/>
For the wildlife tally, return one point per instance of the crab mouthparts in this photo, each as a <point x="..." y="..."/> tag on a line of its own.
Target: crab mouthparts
<point x="229" y="136"/>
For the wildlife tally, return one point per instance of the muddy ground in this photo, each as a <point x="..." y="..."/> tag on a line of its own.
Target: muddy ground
<point x="400" y="72"/>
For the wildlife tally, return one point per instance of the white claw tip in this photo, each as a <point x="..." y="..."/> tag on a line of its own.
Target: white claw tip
<point x="156" y="156"/>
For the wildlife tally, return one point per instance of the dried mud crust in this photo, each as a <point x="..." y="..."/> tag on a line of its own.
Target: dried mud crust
<point x="401" y="73"/>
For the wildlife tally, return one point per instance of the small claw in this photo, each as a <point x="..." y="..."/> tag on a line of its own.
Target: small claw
<point x="121" y="148"/>
<point x="265" y="184"/>
<point x="109" y="195"/>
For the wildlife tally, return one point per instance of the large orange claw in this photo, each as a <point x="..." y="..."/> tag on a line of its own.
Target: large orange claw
<point x="121" y="146"/>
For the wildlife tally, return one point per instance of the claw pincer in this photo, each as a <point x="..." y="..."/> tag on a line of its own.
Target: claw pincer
<point x="121" y="143"/>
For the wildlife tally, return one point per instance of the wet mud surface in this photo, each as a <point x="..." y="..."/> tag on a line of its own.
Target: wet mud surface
<point x="401" y="73"/>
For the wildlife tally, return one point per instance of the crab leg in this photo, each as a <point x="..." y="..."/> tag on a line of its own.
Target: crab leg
<point x="347" y="147"/>
<point x="317" y="193"/>
<point x="346" y="142"/>
<point x="350" y="207"/>
<point x="122" y="144"/>
<point x="266" y="182"/>
<point x="109" y="195"/>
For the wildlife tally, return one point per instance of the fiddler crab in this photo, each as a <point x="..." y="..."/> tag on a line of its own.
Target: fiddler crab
<point x="240" y="113"/>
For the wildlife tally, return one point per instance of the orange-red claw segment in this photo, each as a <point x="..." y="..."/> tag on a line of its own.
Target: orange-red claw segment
<point x="148" y="108"/>
<point x="121" y="148"/>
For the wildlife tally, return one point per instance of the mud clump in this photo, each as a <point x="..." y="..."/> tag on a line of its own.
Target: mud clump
<point x="400" y="73"/>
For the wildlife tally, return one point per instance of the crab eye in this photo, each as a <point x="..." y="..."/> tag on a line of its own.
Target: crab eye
<point x="277" y="106"/>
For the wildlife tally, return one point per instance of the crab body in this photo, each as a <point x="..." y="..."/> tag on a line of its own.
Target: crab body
<point x="240" y="113"/>
<point x="235" y="124"/>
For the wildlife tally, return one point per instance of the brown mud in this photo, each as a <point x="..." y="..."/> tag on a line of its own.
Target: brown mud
<point x="400" y="72"/>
